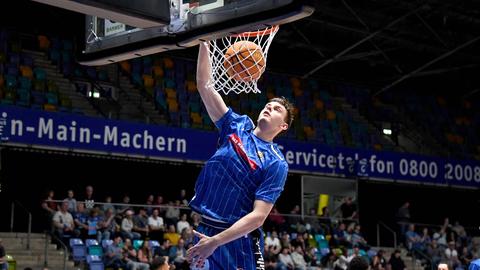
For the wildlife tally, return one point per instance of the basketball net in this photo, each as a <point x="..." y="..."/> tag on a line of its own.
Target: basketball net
<point x="224" y="76"/>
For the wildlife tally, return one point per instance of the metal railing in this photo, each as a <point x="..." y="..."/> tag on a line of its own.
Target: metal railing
<point x="64" y="247"/>
<point x="382" y="224"/>
<point x="12" y="220"/>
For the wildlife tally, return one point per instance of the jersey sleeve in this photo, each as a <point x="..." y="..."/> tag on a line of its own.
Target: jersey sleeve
<point x="273" y="183"/>
<point x="230" y="123"/>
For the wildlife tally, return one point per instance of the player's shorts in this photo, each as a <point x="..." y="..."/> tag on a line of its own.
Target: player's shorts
<point x="244" y="253"/>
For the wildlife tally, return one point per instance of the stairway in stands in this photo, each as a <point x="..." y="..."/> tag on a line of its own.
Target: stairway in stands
<point x="66" y="88"/>
<point x="15" y="245"/>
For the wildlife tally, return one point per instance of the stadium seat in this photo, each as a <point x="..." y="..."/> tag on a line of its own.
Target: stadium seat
<point x="78" y="249"/>
<point x="95" y="262"/>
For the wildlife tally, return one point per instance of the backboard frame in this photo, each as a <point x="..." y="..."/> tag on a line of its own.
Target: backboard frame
<point x="197" y="28"/>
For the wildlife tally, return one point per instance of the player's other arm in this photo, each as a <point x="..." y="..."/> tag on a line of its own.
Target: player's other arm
<point x="214" y="103"/>
<point x="243" y="226"/>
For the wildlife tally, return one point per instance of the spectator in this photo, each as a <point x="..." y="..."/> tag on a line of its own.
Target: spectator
<point x="108" y="205"/>
<point x="276" y="219"/>
<point x="72" y="203"/>
<point x="3" y="257"/>
<point x="358" y="239"/>
<point x="122" y="209"/>
<point x="298" y="259"/>
<point x="183" y="197"/>
<point x="403" y="219"/>
<point x="273" y="242"/>
<point x="349" y="209"/>
<point x="341" y="263"/>
<point x="413" y="240"/>
<point x="164" y="249"/>
<point x="435" y="253"/>
<point x="188" y="236"/>
<point x="155" y="225"/>
<point x="114" y="254"/>
<point x="172" y="235"/>
<point x="127" y="226"/>
<point x="89" y="199"/>
<point x="285" y="259"/>
<point x="425" y="239"/>
<point x="396" y="262"/>
<point x="451" y="255"/>
<point x="63" y="222"/>
<point x="178" y="255"/>
<point x="173" y="213"/>
<point x="140" y="223"/>
<point x="49" y="209"/>
<point x="108" y="226"/>
<point x="149" y="202"/>
<point x="130" y="257"/>
<point x="379" y="262"/>
<point x="144" y="253"/>
<point x="182" y="223"/>
<point x="160" y="263"/>
<point x="442" y="266"/>
<point x="358" y="263"/>
<point x="93" y="223"/>
<point x="80" y="219"/>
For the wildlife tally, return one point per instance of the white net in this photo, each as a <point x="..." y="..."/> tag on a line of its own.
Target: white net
<point x="238" y="61"/>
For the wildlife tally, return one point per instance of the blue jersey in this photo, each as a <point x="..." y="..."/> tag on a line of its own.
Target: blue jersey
<point x="244" y="168"/>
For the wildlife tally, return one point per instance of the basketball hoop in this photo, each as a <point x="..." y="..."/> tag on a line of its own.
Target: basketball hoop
<point x="238" y="61"/>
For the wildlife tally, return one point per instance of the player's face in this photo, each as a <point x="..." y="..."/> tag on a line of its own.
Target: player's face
<point x="274" y="113"/>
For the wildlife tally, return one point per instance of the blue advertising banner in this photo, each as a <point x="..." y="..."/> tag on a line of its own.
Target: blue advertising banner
<point x="75" y="132"/>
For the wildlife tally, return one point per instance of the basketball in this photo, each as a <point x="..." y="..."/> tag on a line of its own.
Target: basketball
<point x="244" y="61"/>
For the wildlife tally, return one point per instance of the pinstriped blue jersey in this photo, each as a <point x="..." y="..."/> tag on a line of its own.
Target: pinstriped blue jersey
<point x="244" y="168"/>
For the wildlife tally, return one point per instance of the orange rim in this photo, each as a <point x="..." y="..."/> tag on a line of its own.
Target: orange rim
<point x="263" y="32"/>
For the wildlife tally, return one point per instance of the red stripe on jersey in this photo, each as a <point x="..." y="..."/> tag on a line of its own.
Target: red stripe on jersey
<point x="238" y="145"/>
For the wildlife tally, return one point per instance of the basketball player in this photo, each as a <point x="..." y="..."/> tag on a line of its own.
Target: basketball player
<point x="239" y="184"/>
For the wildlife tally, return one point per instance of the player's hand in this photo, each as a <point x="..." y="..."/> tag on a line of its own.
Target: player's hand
<point x="202" y="250"/>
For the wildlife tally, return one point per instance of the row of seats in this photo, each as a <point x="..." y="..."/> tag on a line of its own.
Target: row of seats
<point x="92" y="252"/>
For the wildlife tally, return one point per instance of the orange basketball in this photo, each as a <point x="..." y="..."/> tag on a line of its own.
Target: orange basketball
<point x="244" y="61"/>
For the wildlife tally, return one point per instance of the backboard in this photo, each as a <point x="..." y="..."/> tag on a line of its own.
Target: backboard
<point x="175" y="24"/>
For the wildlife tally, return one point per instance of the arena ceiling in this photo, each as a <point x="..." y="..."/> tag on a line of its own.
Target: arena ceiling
<point x="387" y="45"/>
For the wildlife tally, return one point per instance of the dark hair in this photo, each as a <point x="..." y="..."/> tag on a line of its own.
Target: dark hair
<point x="288" y="106"/>
<point x="358" y="263"/>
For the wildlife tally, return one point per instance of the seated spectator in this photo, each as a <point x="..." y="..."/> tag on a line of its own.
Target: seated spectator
<point x="172" y="215"/>
<point x="396" y="262"/>
<point x="178" y="255"/>
<point x="160" y="263"/>
<point x="413" y="240"/>
<point x="140" y="223"/>
<point x="285" y="259"/>
<point x="451" y="255"/>
<point x="130" y="257"/>
<point x="298" y="259"/>
<point x="340" y="236"/>
<point x="127" y="226"/>
<point x="163" y="250"/>
<point x="114" y="254"/>
<point x="358" y="263"/>
<point x="64" y="225"/>
<point x="379" y="262"/>
<point x="80" y="220"/>
<point x="273" y="242"/>
<point x="172" y="235"/>
<point x="182" y="223"/>
<point x="358" y="240"/>
<point x="156" y="226"/>
<point x="435" y="253"/>
<point x="144" y="253"/>
<point x="188" y="236"/>
<point x="341" y="263"/>
<point x="108" y="225"/>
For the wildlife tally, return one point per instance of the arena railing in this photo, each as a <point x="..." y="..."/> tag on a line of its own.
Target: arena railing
<point x="12" y="220"/>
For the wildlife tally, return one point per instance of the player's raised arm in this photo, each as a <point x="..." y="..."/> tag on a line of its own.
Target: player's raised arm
<point x="212" y="100"/>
